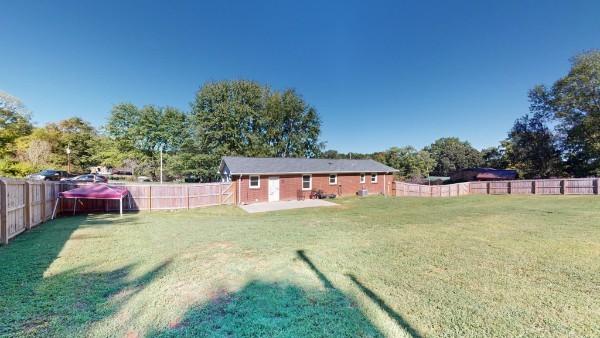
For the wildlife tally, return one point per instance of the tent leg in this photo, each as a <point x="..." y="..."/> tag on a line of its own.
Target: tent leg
<point x="121" y="206"/>
<point x="54" y="211"/>
<point x="74" y="206"/>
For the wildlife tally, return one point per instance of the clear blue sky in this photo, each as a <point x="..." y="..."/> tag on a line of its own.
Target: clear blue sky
<point x="379" y="73"/>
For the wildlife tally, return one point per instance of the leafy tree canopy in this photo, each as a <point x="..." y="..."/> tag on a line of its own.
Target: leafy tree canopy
<point x="248" y="119"/>
<point x="574" y="101"/>
<point x="531" y="148"/>
<point x="452" y="154"/>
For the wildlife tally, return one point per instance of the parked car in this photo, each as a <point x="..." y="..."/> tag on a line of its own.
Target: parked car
<point x="88" y="178"/>
<point x="49" y="175"/>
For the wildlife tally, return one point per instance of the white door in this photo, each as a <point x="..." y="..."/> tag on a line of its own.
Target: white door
<point x="273" y="188"/>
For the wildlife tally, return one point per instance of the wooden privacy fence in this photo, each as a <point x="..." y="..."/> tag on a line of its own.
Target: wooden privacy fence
<point x="420" y="190"/>
<point x="566" y="186"/>
<point x="26" y="204"/>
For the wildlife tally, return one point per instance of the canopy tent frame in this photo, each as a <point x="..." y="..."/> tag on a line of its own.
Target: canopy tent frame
<point x="119" y="194"/>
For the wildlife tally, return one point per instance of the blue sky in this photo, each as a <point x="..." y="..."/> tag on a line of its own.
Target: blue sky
<point x="379" y="73"/>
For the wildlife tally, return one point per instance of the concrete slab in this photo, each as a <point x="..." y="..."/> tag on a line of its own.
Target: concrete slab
<point x="285" y="205"/>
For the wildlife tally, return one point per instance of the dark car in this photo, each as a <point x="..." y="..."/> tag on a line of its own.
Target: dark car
<point x="49" y="175"/>
<point x="88" y="178"/>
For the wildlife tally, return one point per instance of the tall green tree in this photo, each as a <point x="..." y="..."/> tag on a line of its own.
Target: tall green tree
<point x="495" y="157"/>
<point x="531" y="148"/>
<point x="248" y="119"/>
<point x="15" y="122"/>
<point x="140" y="133"/>
<point x="411" y="163"/>
<point x="574" y="101"/>
<point x="293" y="127"/>
<point x="452" y="154"/>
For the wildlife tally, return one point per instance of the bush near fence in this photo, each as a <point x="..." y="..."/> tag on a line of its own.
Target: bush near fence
<point x="26" y="204"/>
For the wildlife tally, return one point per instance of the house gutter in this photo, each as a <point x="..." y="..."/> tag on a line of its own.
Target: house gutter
<point x="240" y="190"/>
<point x="317" y="172"/>
<point x="384" y="184"/>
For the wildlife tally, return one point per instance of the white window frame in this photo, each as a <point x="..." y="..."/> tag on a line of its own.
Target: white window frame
<point x="250" y="182"/>
<point x="374" y="175"/>
<point x="309" y="182"/>
<point x="329" y="179"/>
<point x="362" y="178"/>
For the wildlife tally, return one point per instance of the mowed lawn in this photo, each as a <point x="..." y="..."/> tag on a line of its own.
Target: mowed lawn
<point x="471" y="266"/>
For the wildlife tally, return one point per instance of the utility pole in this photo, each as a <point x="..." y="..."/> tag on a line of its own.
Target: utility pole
<point x="161" y="165"/>
<point x="68" y="150"/>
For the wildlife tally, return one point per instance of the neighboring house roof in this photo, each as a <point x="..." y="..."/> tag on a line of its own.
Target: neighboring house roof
<point x="497" y="174"/>
<point x="489" y="173"/>
<point x="284" y="165"/>
<point x="438" y="178"/>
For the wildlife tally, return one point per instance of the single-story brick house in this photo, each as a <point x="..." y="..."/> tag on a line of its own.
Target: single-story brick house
<point x="284" y="179"/>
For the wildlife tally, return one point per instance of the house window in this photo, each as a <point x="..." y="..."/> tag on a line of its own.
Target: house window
<point x="306" y="182"/>
<point x="254" y="182"/>
<point x="332" y="179"/>
<point x="373" y="178"/>
<point x="362" y="178"/>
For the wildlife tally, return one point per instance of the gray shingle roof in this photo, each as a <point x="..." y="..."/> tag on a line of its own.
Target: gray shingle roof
<point x="280" y="165"/>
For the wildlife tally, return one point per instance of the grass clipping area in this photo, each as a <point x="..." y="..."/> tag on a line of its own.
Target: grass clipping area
<point x="464" y="267"/>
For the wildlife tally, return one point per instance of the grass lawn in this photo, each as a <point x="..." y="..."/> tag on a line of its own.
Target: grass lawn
<point x="471" y="266"/>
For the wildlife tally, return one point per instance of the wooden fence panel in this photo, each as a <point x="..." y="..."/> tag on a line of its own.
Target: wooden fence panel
<point x="567" y="186"/>
<point x="51" y="192"/>
<point x="478" y="188"/>
<point x="165" y="197"/>
<point x="204" y="195"/>
<point x="16" y="205"/>
<point x="36" y="203"/>
<point x="140" y="197"/>
<point x="499" y="188"/>
<point x="548" y="187"/>
<point x="579" y="186"/>
<point x="521" y="187"/>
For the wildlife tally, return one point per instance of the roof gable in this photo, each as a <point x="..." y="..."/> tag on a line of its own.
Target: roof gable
<point x="286" y="165"/>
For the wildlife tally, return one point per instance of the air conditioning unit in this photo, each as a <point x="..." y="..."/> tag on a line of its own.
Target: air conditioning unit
<point x="362" y="192"/>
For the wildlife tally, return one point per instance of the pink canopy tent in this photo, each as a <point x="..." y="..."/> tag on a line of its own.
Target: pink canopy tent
<point x="94" y="192"/>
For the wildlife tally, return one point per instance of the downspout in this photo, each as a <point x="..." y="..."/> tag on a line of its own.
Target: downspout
<point x="384" y="184"/>
<point x="240" y="190"/>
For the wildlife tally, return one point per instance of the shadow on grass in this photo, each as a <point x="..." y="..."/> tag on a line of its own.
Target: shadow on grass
<point x="61" y="304"/>
<point x="384" y="307"/>
<point x="267" y="309"/>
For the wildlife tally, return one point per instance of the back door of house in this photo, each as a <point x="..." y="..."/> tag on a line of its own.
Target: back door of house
<point x="273" y="188"/>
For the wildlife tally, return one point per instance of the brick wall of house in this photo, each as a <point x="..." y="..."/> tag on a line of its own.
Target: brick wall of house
<point x="290" y="186"/>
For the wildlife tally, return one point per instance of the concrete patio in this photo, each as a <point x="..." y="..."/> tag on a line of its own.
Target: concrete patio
<point x="285" y="205"/>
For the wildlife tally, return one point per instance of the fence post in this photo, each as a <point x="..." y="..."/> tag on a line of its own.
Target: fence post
<point x="220" y="193"/>
<point x="187" y="188"/>
<point x="150" y="197"/>
<point x="533" y="187"/>
<point x="487" y="187"/>
<point x="562" y="187"/>
<point x="596" y="187"/>
<point x="3" y="213"/>
<point x="509" y="188"/>
<point x="43" y="201"/>
<point x="27" y="208"/>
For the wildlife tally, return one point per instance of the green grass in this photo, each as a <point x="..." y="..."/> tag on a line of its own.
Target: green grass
<point x="471" y="266"/>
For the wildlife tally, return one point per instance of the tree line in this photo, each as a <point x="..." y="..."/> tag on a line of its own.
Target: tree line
<point x="226" y="118"/>
<point x="559" y="136"/>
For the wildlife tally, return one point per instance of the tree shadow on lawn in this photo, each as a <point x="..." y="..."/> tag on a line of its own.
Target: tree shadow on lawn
<point x="270" y="309"/>
<point x="63" y="304"/>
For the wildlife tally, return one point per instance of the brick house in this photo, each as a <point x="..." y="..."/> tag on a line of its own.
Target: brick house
<point x="285" y="179"/>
